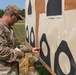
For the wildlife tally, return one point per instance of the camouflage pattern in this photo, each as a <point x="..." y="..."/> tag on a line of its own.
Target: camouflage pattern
<point x="15" y="10"/>
<point x="8" y="56"/>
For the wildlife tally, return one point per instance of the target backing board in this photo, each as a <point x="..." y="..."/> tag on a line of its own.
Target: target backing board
<point x="51" y="25"/>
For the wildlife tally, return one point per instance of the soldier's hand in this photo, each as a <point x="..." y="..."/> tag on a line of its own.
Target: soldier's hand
<point x="36" y="52"/>
<point x="20" y="52"/>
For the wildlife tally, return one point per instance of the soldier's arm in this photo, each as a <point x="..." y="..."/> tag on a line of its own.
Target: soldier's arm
<point x="6" y="53"/>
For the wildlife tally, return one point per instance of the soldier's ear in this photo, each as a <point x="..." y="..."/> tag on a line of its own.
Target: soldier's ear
<point x="11" y="14"/>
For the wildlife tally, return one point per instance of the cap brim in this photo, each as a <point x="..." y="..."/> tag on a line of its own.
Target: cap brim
<point x="20" y="17"/>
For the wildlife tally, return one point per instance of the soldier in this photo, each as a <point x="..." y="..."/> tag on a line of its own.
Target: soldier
<point x="8" y="42"/>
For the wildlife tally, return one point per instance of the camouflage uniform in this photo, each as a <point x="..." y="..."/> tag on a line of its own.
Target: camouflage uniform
<point x="8" y="56"/>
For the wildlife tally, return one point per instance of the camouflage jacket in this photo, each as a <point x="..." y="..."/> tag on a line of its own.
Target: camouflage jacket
<point x="8" y="42"/>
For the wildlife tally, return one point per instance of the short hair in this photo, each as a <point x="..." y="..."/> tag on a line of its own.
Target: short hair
<point x="7" y="12"/>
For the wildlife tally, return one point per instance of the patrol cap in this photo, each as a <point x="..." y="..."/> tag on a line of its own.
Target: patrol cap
<point x="15" y="10"/>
